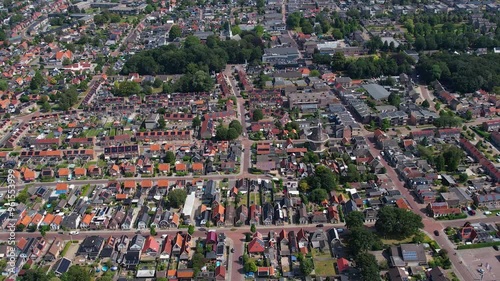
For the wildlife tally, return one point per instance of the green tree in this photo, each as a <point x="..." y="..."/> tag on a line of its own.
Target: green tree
<point x="440" y="163"/>
<point x="463" y="177"/>
<point x="250" y="266"/>
<point x="323" y="178"/>
<point x="221" y="133"/>
<point x="367" y="264"/>
<point x="257" y="115"/>
<point x="318" y="195"/>
<point x="175" y="32"/>
<point x="453" y="155"/>
<point x="152" y="231"/>
<point x="338" y="61"/>
<point x="306" y="266"/>
<point x="169" y="157"/>
<point x="198" y="261"/>
<point x="177" y="197"/>
<point x="22" y="196"/>
<point x="161" y="122"/>
<point x="397" y="223"/>
<point x="232" y="134"/>
<point x="314" y="73"/>
<point x="76" y="273"/>
<point x="190" y="229"/>
<point x="127" y="88"/>
<point x="37" y="81"/>
<point x="394" y="99"/>
<point x="354" y="219"/>
<point x="235" y="124"/>
<point x="425" y="104"/>
<point x="196" y="122"/>
<point x="3" y="85"/>
<point x="253" y="229"/>
<point x="362" y="240"/>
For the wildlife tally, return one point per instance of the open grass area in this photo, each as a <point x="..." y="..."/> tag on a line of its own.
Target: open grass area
<point x="92" y="132"/>
<point x="324" y="268"/>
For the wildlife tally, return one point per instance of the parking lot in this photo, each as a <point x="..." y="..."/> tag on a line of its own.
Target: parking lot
<point x="485" y="259"/>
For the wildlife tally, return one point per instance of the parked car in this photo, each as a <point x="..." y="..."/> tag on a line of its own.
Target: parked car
<point x="320" y="225"/>
<point x="436" y="232"/>
<point x="495" y="247"/>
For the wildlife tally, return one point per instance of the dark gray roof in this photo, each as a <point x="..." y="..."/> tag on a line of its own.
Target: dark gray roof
<point x="376" y="91"/>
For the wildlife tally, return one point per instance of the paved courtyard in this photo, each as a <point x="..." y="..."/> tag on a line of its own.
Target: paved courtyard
<point x="486" y="259"/>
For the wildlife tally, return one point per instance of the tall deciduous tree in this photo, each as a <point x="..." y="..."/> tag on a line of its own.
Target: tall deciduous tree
<point x="397" y="223"/>
<point x="354" y="219"/>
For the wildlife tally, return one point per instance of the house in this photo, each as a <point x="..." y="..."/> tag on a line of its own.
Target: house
<point x="440" y="209"/>
<point x="220" y="272"/>
<point x="218" y="215"/>
<point x="254" y="214"/>
<point x="71" y="221"/>
<point x="131" y="259"/>
<point x="256" y="246"/>
<point x="319" y="240"/>
<point x="267" y="214"/>
<point x="151" y="247"/>
<point x="79" y="172"/>
<point x="333" y="214"/>
<point x="54" y="250"/>
<point x="265" y="271"/>
<point x="242" y="215"/>
<point x="319" y="217"/>
<point x="467" y="234"/>
<point x="62" y="188"/>
<point x="437" y="274"/>
<point x="397" y="274"/>
<point x="137" y="243"/>
<point x="62" y="266"/>
<point x="408" y="255"/>
<point x="197" y="168"/>
<point x="91" y="247"/>
<point x="370" y="215"/>
<point x="303" y="216"/>
<point x="490" y="201"/>
<point x="342" y="265"/>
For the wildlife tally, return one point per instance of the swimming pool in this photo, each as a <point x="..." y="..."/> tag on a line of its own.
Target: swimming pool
<point x="104" y="268"/>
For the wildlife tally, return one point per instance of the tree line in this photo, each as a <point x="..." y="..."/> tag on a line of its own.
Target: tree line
<point x="462" y="73"/>
<point x="368" y="67"/>
<point x="212" y="56"/>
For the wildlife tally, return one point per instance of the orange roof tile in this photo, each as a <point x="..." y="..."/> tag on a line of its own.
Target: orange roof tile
<point x="63" y="172"/>
<point x="180" y="167"/>
<point x="197" y="166"/>
<point x="62" y="186"/>
<point x="146" y="183"/>
<point x="129" y="184"/>
<point x="87" y="219"/>
<point x="164" y="167"/>
<point x="48" y="218"/>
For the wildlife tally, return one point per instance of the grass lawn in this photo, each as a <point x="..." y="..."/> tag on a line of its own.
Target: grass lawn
<point x="254" y="198"/>
<point x="395" y="242"/>
<point x="324" y="268"/>
<point x="112" y="132"/>
<point x="317" y="254"/>
<point x="92" y="132"/>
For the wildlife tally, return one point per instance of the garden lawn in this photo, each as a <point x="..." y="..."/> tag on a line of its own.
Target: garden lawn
<point x="324" y="268"/>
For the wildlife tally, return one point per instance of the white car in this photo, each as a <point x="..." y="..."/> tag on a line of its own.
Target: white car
<point x="74" y="232"/>
<point x="487" y="213"/>
<point x="498" y="214"/>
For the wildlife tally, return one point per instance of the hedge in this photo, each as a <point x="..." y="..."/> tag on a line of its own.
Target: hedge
<point x="478" y="245"/>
